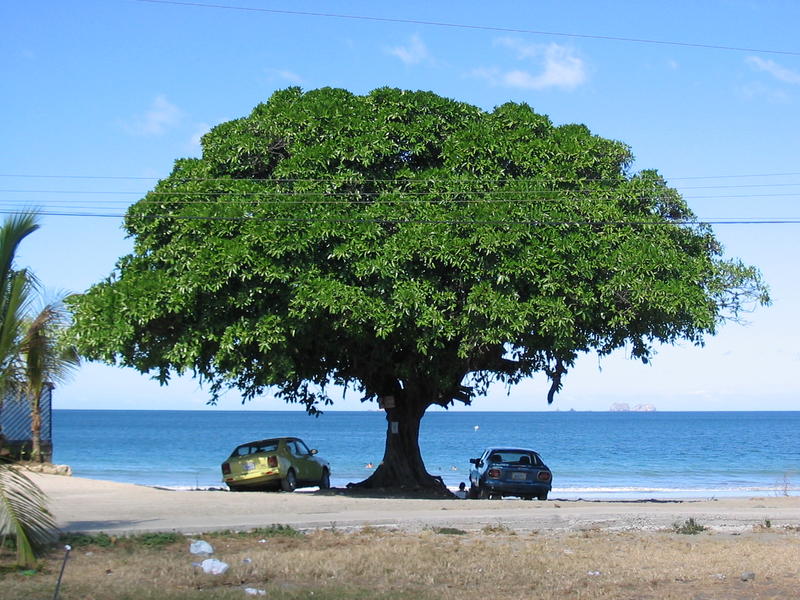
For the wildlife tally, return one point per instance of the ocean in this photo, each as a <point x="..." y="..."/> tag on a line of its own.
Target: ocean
<point x="593" y="455"/>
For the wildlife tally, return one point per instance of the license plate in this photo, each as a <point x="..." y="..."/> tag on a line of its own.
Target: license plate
<point x="519" y="476"/>
<point x="249" y="466"/>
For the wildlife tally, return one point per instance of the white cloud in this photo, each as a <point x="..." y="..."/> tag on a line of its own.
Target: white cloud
<point x="161" y="116"/>
<point x="758" y="90"/>
<point x="777" y="71"/>
<point x="286" y="75"/>
<point x="523" y="50"/>
<point x="199" y="131"/>
<point x="557" y="67"/>
<point x="413" y="53"/>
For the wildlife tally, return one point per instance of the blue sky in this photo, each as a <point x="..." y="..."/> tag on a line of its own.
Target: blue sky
<point x="100" y="97"/>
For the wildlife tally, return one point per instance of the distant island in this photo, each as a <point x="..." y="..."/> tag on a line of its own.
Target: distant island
<point x="625" y="407"/>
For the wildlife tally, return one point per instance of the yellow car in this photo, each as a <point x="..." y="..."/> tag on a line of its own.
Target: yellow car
<point x="284" y="463"/>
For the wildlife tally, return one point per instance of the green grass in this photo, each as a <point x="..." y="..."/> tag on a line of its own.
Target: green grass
<point x="271" y="531"/>
<point x="81" y="540"/>
<point x="103" y="540"/>
<point x="277" y="531"/>
<point x="161" y="540"/>
<point x="157" y="540"/>
<point x="448" y="531"/>
<point x="689" y="527"/>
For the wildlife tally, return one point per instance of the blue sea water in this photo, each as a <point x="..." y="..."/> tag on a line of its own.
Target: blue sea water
<point x="593" y="455"/>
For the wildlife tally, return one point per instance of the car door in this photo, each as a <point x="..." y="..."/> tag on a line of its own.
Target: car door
<point x="308" y="469"/>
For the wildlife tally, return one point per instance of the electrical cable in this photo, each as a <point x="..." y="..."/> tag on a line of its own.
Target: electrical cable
<point x="373" y="180"/>
<point x="696" y="222"/>
<point x="473" y="27"/>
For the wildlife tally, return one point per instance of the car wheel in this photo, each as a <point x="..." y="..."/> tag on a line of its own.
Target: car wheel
<point x="234" y="488"/>
<point x="543" y="496"/>
<point x="290" y="482"/>
<point x="325" y="482"/>
<point x="483" y="493"/>
<point x="527" y="497"/>
<point x="473" y="493"/>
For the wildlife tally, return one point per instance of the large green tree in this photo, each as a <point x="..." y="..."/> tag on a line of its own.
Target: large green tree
<point x="406" y="246"/>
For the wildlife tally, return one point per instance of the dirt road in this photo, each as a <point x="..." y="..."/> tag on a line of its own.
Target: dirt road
<point x="88" y="505"/>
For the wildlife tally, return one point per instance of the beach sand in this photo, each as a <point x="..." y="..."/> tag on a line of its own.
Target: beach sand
<point x="86" y="505"/>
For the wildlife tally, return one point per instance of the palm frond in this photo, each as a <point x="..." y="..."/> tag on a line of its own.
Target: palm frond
<point x="47" y="359"/>
<point x="13" y="230"/>
<point x="24" y="514"/>
<point x="15" y="294"/>
<point x="16" y="303"/>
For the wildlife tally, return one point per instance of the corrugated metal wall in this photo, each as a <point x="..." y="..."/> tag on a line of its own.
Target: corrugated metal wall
<point x="15" y="417"/>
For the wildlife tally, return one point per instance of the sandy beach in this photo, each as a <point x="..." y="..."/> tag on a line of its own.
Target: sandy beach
<point x="85" y="505"/>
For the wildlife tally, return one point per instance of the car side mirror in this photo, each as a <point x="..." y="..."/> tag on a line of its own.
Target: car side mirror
<point x="313" y="451"/>
<point x="475" y="461"/>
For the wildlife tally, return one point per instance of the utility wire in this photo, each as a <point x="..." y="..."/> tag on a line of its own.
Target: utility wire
<point x="374" y="180"/>
<point x="534" y="223"/>
<point x="378" y="202"/>
<point x="534" y="190"/>
<point x="474" y="27"/>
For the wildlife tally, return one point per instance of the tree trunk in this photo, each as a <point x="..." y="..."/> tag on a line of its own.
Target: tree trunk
<point x="36" y="430"/>
<point x="402" y="467"/>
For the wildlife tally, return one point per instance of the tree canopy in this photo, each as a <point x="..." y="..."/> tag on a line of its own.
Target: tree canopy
<point x="408" y="247"/>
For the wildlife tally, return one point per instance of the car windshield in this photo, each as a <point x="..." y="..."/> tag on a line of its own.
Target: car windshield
<point x="254" y="447"/>
<point x="516" y="457"/>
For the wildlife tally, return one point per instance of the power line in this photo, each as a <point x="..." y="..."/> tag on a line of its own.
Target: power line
<point x="532" y="223"/>
<point x="35" y="176"/>
<point x="374" y="180"/>
<point x="474" y="27"/>
<point x="281" y="201"/>
<point x="505" y="191"/>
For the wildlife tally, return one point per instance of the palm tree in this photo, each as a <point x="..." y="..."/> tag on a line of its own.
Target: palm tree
<point x="22" y="504"/>
<point x="45" y="361"/>
<point x="23" y="514"/>
<point x="15" y="296"/>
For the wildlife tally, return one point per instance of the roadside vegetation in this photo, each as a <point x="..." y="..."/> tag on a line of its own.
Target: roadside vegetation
<point x="283" y="563"/>
<point x="689" y="527"/>
<point x="32" y="357"/>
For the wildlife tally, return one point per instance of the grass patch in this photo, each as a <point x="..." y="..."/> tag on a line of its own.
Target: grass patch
<point x="372" y="530"/>
<point x="689" y="527"/>
<point x="348" y="565"/>
<point x="102" y="540"/>
<point x="448" y="531"/>
<point x="272" y="531"/>
<point x="158" y="540"/>
<point x="81" y="540"/>
<point x="498" y="528"/>
<point x="764" y="525"/>
<point x="278" y="531"/>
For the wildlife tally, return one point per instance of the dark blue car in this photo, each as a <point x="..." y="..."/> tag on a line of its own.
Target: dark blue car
<point x="503" y="471"/>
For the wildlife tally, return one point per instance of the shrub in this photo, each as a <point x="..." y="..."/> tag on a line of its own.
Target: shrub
<point x="689" y="527"/>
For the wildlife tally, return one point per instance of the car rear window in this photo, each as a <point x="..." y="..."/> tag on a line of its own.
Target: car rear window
<point x="517" y="457"/>
<point x="246" y="449"/>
